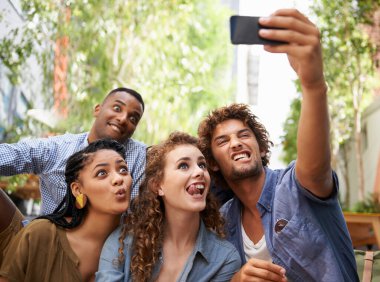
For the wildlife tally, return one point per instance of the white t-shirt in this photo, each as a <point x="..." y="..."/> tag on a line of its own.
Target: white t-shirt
<point x="258" y="250"/>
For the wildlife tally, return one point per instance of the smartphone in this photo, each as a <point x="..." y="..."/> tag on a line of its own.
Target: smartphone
<point x="245" y="30"/>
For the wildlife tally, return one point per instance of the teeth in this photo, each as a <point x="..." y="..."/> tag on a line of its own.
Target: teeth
<point x="115" y="127"/>
<point x="240" y="156"/>
<point x="195" y="189"/>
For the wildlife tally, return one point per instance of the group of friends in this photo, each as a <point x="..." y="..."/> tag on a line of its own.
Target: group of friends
<point x="114" y="209"/>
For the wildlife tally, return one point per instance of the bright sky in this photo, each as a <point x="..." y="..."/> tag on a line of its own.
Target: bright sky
<point x="276" y="86"/>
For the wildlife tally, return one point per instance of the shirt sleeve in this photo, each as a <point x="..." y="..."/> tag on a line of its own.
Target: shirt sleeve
<point x="27" y="156"/>
<point x="110" y="268"/>
<point x="229" y="268"/>
<point x="16" y="259"/>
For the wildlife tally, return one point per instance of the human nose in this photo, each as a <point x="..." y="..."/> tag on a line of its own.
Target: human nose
<point x="198" y="172"/>
<point x="117" y="179"/>
<point x="235" y="142"/>
<point x="123" y="117"/>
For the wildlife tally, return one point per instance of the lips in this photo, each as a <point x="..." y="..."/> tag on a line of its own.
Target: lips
<point x="116" y="127"/>
<point x="121" y="193"/>
<point x="196" y="188"/>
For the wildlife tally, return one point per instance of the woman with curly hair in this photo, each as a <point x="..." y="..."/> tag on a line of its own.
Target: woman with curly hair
<point x="66" y="245"/>
<point x="174" y="231"/>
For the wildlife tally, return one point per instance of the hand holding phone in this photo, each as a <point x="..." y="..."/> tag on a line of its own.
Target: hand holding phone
<point x="245" y="30"/>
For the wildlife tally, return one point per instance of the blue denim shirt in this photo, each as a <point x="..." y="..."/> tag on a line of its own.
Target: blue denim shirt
<point x="313" y="244"/>
<point x="212" y="259"/>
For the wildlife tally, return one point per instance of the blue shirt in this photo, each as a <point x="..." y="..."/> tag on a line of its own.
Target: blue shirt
<point x="212" y="259"/>
<point x="312" y="241"/>
<point x="47" y="158"/>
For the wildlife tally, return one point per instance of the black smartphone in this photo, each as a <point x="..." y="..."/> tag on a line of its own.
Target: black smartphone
<point x="245" y="30"/>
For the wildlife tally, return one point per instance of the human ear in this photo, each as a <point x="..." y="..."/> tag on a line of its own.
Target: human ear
<point x="160" y="192"/>
<point x="262" y="154"/>
<point x="97" y="110"/>
<point x="75" y="188"/>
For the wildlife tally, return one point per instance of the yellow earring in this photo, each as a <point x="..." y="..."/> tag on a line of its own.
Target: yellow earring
<point x="80" y="201"/>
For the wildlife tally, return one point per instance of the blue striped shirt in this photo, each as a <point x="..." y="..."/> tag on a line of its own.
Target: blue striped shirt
<point x="46" y="157"/>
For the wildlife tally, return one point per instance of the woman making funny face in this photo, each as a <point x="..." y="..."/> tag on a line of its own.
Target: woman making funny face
<point x="174" y="231"/>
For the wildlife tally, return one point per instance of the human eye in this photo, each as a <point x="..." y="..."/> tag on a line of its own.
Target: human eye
<point x="101" y="173"/>
<point x="123" y="170"/>
<point x="245" y="134"/>
<point x="203" y="165"/>
<point x="183" y="166"/>
<point x="117" y="108"/>
<point x="134" y="119"/>
<point x="221" y="141"/>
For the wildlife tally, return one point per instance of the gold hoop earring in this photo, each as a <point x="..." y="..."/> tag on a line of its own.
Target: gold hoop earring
<point x="80" y="201"/>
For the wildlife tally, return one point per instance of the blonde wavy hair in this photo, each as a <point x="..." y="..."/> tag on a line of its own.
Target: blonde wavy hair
<point x="146" y="220"/>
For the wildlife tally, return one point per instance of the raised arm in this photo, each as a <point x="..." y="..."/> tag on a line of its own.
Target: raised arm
<point x="27" y="156"/>
<point x="313" y="169"/>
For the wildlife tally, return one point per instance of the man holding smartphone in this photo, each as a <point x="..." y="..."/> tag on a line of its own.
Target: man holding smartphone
<point x="286" y="224"/>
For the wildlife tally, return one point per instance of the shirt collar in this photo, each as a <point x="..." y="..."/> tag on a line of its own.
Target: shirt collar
<point x="201" y="246"/>
<point x="85" y="141"/>
<point x="203" y="242"/>
<point x="265" y="201"/>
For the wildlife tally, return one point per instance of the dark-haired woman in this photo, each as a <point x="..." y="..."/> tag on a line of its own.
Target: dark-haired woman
<point x="175" y="231"/>
<point x="66" y="245"/>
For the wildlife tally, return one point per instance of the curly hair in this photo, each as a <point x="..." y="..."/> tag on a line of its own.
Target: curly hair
<point x="74" y="166"/>
<point x="147" y="218"/>
<point x="234" y="111"/>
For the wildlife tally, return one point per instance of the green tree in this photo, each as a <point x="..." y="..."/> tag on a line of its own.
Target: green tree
<point x="289" y="139"/>
<point x="175" y="53"/>
<point x="349" y="71"/>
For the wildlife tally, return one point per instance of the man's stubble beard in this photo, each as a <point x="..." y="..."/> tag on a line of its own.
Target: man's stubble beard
<point x="253" y="170"/>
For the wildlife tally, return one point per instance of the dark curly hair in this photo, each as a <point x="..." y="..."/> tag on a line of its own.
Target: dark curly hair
<point x="234" y="111"/>
<point x="147" y="217"/>
<point x="74" y="166"/>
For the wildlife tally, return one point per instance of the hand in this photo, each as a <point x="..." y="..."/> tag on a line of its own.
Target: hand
<point x="260" y="270"/>
<point x="303" y="48"/>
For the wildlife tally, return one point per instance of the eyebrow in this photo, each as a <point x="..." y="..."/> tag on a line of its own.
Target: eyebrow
<point x="244" y="130"/>
<point x="183" y="159"/>
<point x="188" y="159"/>
<point x="124" y="104"/>
<point x="121" y="102"/>
<point x="225" y="135"/>
<point x="107" y="164"/>
<point x="100" y="165"/>
<point x="121" y="161"/>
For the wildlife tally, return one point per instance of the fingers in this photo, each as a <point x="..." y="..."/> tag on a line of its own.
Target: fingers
<point x="295" y="29"/>
<point x="291" y="13"/>
<point x="260" y="270"/>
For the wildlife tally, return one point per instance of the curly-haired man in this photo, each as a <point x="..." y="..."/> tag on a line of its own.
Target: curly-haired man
<point x="286" y="224"/>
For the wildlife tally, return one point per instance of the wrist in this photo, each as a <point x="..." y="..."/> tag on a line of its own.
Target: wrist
<point x="320" y="87"/>
<point x="236" y="277"/>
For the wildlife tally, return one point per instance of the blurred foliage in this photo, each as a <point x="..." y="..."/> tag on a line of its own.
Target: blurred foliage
<point x="348" y="57"/>
<point x="349" y="69"/>
<point x="370" y="204"/>
<point x="175" y="53"/>
<point x="14" y="181"/>
<point x="289" y="139"/>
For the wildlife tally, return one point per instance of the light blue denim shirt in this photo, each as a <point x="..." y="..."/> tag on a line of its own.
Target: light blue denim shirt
<point x="212" y="259"/>
<point x="312" y="242"/>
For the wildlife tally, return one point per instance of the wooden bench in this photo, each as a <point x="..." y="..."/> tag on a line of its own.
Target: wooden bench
<point x="364" y="228"/>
